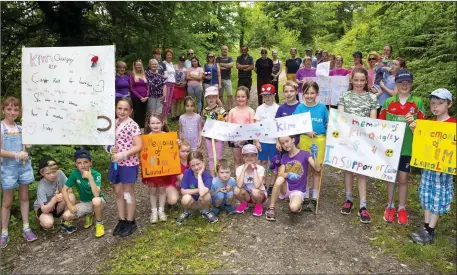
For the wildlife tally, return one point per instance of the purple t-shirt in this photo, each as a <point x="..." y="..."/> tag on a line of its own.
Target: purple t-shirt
<point x="298" y="164"/>
<point x="190" y="128"/>
<point x="122" y="84"/>
<point x="189" y="181"/>
<point x="304" y="73"/>
<point x="341" y="72"/>
<point x="139" y="88"/>
<point x="288" y="110"/>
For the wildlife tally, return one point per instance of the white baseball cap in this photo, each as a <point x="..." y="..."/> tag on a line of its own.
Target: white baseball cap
<point x="441" y="93"/>
<point x="212" y="90"/>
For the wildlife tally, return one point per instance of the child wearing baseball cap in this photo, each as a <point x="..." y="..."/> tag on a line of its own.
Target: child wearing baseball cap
<point x="403" y="107"/>
<point x="50" y="203"/>
<point x="250" y="179"/>
<point x="436" y="190"/>
<point x="266" y="111"/>
<point x="88" y="182"/>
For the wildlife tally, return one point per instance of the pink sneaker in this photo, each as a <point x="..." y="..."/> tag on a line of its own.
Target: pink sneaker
<point x="258" y="209"/>
<point x="242" y="207"/>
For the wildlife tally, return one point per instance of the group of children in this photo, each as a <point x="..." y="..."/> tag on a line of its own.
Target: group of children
<point x="290" y="160"/>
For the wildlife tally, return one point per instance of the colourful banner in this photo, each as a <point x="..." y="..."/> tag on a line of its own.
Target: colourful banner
<point x="366" y="146"/>
<point x="279" y="127"/>
<point x="160" y="155"/>
<point x="434" y="146"/>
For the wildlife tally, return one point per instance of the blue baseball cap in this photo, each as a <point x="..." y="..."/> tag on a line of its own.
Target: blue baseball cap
<point x="83" y="154"/>
<point x="403" y="75"/>
<point x="442" y="94"/>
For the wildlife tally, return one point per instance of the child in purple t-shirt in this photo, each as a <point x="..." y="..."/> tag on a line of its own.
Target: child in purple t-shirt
<point x="292" y="176"/>
<point x="381" y="68"/>
<point x="288" y="108"/>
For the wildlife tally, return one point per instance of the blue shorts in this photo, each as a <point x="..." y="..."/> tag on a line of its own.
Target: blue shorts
<point x="222" y="196"/>
<point x="123" y="174"/>
<point x="14" y="173"/>
<point x="268" y="151"/>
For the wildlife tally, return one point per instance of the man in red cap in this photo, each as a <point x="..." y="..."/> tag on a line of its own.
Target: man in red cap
<point x="267" y="111"/>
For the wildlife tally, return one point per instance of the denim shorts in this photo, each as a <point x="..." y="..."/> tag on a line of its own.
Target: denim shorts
<point x="123" y="174"/>
<point x="222" y="196"/>
<point x="14" y="173"/>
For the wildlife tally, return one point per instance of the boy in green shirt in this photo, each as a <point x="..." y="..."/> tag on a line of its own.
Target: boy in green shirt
<point x="92" y="199"/>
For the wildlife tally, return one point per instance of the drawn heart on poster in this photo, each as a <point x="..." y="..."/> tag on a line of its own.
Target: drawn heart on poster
<point x="144" y="156"/>
<point x="258" y="134"/>
<point x="100" y="87"/>
<point x="30" y="128"/>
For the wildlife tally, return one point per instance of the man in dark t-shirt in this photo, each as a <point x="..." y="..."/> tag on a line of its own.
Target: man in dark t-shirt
<point x="245" y="65"/>
<point x="225" y="64"/>
<point x="292" y="64"/>
<point x="264" y="69"/>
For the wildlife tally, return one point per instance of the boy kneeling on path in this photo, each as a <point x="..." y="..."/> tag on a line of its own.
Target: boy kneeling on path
<point x="92" y="199"/>
<point x="50" y="203"/>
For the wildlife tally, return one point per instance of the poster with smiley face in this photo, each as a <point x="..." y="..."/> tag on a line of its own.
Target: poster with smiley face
<point x="365" y="146"/>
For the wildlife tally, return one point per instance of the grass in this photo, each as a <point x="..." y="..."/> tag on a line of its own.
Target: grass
<point x="168" y="248"/>
<point x="394" y="238"/>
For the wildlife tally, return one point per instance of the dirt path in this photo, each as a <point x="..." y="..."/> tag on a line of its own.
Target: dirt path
<point x="305" y="243"/>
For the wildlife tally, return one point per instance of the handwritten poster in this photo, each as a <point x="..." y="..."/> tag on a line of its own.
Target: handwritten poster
<point x="160" y="155"/>
<point x="68" y="95"/>
<point x="366" y="146"/>
<point x="330" y="88"/>
<point x="434" y="146"/>
<point x="279" y="127"/>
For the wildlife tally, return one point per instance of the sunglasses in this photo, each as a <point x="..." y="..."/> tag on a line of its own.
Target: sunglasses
<point x="371" y="59"/>
<point x="210" y="56"/>
<point x="189" y="53"/>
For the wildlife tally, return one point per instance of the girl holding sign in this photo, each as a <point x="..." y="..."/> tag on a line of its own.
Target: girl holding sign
<point x="241" y="114"/>
<point x="358" y="101"/>
<point x="16" y="170"/>
<point x="123" y="170"/>
<point x="319" y="117"/>
<point x="163" y="187"/>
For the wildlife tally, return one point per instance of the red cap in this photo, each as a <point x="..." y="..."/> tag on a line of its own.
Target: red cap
<point x="268" y="89"/>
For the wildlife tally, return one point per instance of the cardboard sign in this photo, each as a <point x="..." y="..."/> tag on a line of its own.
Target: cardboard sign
<point x="366" y="146"/>
<point x="160" y="155"/>
<point x="68" y="95"/>
<point x="279" y="127"/>
<point x="434" y="146"/>
<point x="330" y="88"/>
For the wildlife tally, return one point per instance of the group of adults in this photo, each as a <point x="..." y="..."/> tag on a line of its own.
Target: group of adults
<point x="161" y="86"/>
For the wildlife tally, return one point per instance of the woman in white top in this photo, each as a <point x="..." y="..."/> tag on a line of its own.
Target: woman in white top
<point x="169" y="73"/>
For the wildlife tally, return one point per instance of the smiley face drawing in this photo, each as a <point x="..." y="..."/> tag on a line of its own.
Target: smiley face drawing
<point x="335" y="134"/>
<point x="389" y="152"/>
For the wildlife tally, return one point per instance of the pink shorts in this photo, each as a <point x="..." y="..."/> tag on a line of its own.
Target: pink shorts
<point x="289" y="194"/>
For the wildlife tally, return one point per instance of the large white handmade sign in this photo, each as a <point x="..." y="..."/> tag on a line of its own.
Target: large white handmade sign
<point x="279" y="127"/>
<point x="330" y="88"/>
<point x="68" y="95"/>
<point x="366" y="146"/>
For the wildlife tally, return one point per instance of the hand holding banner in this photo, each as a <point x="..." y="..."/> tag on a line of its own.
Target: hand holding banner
<point x="279" y="127"/>
<point x="434" y="146"/>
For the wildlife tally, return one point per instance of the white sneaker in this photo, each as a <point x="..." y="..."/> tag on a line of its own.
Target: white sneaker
<point x="154" y="218"/>
<point x="162" y="216"/>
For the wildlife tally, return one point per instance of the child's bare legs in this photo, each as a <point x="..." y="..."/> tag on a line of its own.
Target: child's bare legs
<point x="242" y="194"/>
<point x="295" y="204"/>
<point x="7" y="202"/>
<point x="119" y="191"/>
<point x="172" y="195"/>
<point x="316" y="183"/>
<point x="98" y="208"/>
<point x="153" y="197"/>
<point x="280" y="187"/>
<point x="24" y="198"/>
<point x="264" y="164"/>
<point x="174" y="107"/>
<point x="204" y="202"/>
<point x="237" y="156"/>
<point x="402" y="189"/>
<point x="257" y="196"/>
<point x="188" y="203"/>
<point x="362" y="190"/>
<point x="131" y="205"/>
<point x="162" y="201"/>
<point x="47" y="219"/>
<point x="348" y="178"/>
